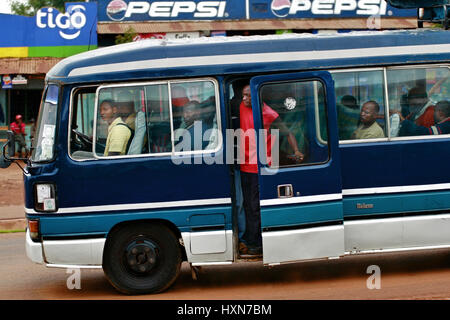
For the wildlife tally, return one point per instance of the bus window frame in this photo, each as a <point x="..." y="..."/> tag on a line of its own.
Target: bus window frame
<point x="317" y="115"/>
<point x="422" y="66"/>
<point x="385" y="70"/>
<point x="57" y="122"/>
<point x="168" y="83"/>
<point x="314" y="81"/>
<point x="73" y="92"/>
<point x="386" y="104"/>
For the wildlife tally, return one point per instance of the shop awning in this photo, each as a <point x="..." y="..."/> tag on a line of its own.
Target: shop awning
<point x="302" y="24"/>
<point x="27" y="65"/>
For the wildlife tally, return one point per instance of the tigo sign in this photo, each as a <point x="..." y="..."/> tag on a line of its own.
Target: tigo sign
<point x="50" y="33"/>
<point x="69" y="24"/>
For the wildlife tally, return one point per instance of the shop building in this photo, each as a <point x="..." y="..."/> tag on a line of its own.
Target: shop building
<point x="31" y="46"/>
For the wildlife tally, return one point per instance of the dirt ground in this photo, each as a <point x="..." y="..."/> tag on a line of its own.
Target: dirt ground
<point x="11" y="186"/>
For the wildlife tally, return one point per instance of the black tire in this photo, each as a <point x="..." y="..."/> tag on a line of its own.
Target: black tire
<point x="142" y="258"/>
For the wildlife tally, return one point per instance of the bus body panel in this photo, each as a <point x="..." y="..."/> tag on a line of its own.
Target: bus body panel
<point x="382" y="195"/>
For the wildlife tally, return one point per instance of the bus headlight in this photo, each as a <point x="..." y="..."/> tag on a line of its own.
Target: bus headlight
<point x="45" y="199"/>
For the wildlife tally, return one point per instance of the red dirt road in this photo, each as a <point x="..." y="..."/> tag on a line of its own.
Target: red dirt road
<point x="11" y="186"/>
<point x="406" y="275"/>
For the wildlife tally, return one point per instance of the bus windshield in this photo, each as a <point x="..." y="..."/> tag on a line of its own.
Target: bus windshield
<point x="45" y="137"/>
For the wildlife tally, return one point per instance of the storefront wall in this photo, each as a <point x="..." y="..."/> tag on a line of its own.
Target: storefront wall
<point x="31" y="46"/>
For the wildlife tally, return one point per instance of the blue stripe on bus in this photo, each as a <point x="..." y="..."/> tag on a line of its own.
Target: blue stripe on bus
<point x="70" y="225"/>
<point x="296" y="215"/>
<point x="395" y="203"/>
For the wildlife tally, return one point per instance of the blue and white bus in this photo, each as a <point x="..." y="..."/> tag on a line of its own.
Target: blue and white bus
<point x="139" y="213"/>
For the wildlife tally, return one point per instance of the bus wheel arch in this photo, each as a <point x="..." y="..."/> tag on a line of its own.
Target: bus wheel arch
<point x="142" y="256"/>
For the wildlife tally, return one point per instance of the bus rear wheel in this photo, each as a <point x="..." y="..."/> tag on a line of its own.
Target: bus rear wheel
<point x="140" y="259"/>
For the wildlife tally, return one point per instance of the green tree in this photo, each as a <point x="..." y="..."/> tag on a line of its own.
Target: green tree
<point x="128" y="36"/>
<point x="30" y="7"/>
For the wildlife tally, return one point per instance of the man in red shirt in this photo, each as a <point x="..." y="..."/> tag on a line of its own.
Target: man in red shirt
<point x="18" y="128"/>
<point x="252" y="240"/>
<point x="420" y="107"/>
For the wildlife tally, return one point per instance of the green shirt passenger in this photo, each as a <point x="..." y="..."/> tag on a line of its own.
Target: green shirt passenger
<point x="369" y="128"/>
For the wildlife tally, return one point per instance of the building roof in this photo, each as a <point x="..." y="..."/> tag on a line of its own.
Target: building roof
<point x="261" y="24"/>
<point x="27" y="65"/>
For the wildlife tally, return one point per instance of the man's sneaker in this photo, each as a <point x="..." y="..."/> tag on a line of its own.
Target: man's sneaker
<point x="254" y="251"/>
<point x="243" y="249"/>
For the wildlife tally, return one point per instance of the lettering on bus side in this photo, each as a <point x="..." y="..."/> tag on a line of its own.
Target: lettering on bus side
<point x="364" y="206"/>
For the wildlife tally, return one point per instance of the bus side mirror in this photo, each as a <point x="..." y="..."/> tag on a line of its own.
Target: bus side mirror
<point x="7" y="150"/>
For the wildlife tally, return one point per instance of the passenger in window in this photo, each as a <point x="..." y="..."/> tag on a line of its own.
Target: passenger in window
<point x="118" y="132"/>
<point x="441" y="118"/>
<point x="249" y="168"/>
<point x="369" y="128"/>
<point x="197" y="123"/>
<point x="421" y="109"/>
<point x="127" y="113"/>
<point x="348" y="116"/>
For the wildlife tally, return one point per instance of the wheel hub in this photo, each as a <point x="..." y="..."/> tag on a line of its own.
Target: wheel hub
<point x="141" y="256"/>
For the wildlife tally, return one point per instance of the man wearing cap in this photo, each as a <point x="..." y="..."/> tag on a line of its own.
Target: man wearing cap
<point x="18" y="128"/>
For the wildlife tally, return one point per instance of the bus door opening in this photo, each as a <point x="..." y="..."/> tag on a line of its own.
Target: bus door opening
<point x="294" y="171"/>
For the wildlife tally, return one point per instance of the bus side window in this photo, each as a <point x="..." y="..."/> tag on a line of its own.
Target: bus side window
<point x="360" y="103"/>
<point x="301" y="109"/>
<point x="419" y="97"/>
<point x="194" y="112"/>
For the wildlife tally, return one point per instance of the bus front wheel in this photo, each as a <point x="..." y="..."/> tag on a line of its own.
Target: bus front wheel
<point x="142" y="258"/>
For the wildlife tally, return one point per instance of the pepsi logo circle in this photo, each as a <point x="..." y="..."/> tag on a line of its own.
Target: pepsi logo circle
<point x="116" y="10"/>
<point x="280" y="8"/>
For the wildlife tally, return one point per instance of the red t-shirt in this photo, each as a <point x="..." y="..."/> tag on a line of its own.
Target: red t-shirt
<point x="18" y="128"/>
<point x="248" y="157"/>
<point x="426" y="119"/>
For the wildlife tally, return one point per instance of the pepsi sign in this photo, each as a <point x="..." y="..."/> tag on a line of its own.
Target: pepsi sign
<point x="126" y="10"/>
<point x="288" y="9"/>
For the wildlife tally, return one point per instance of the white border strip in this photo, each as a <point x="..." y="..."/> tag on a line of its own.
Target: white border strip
<point x="424" y="217"/>
<point x="195" y="264"/>
<point x="139" y="206"/>
<point x="306" y="199"/>
<point x="72" y="266"/>
<point x="266" y="57"/>
<point x="397" y="189"/>
<point x="378" y="251"/>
